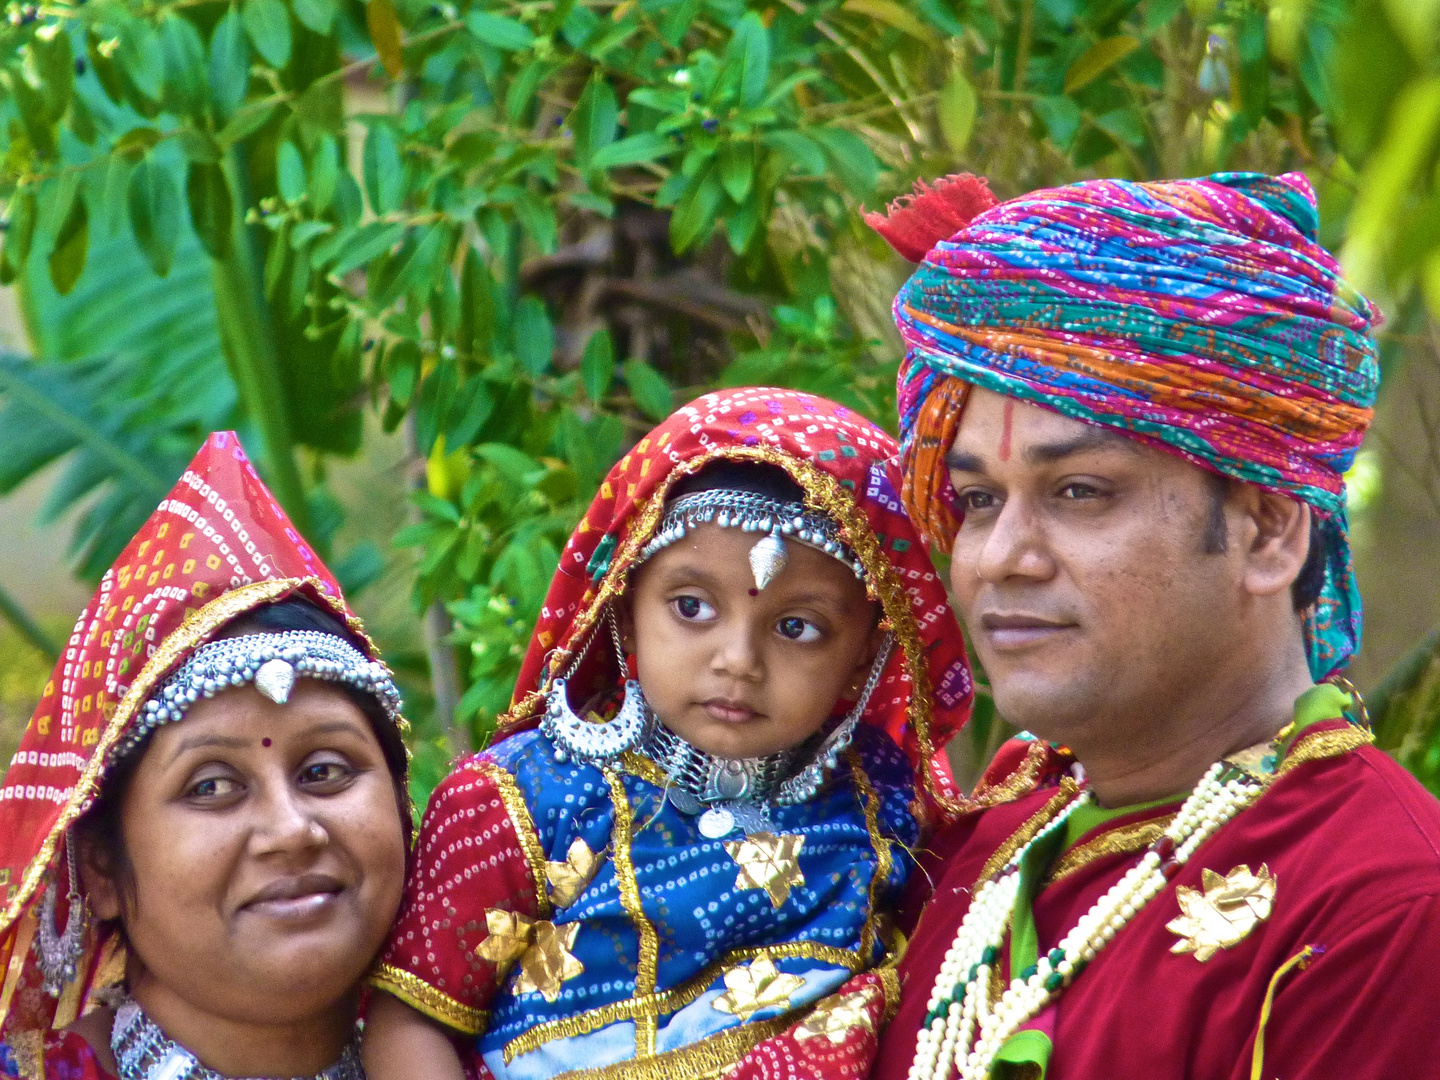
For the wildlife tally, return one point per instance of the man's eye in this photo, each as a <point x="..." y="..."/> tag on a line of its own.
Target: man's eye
<point x="972" y="501"/>
<point x="692" y="608"/>
<point x="1079" y="491"/>
<point x="798" y="629"/>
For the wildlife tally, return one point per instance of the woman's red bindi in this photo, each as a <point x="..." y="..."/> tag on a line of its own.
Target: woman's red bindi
<point x="265" y="741"/>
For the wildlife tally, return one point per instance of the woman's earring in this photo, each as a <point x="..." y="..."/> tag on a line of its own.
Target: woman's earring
<point x="60" y="953"/>
<point x="587" y="743"/>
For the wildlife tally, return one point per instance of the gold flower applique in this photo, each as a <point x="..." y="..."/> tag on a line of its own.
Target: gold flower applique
<point x="1228" y="909"/>
<point x="542" y="948"/>
<point x="570" y="878"/>
<point x="759" y="986"/>
<point x="836" y="1017"/>
<point x="768" y="862"/>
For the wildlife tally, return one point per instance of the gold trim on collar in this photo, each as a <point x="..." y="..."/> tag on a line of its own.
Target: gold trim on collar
<point x="647" y="974"/>
<point x="424" y="998"/>
<point x="1020" y="782"/>
<point x="1324" y="744"/>
<point x="1032" y="825"/>
<point x="1125" y="840"/>
<point x="522" y="823"/>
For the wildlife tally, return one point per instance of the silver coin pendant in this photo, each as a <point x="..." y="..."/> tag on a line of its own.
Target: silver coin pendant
<point x="716" y="822"/>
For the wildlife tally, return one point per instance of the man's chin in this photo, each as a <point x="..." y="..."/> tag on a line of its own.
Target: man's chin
<point x="1044" y="703"/>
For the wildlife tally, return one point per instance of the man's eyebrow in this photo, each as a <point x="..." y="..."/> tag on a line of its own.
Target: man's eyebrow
<point x="1092" y="438"/>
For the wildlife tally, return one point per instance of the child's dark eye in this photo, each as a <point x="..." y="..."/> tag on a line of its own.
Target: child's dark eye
<point x="798" y="629"/>
<point x="692" y="608"/>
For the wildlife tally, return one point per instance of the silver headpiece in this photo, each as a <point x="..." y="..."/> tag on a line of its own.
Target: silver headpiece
<point x="752" y="512"/>
<point x="272" y="662"/>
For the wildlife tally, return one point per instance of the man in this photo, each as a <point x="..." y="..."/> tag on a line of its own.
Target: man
<point x="1127" y="410"/>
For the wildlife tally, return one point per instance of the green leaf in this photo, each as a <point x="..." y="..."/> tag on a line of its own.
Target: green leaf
<point x="649" y="389"/>
<point x="212" y="209"/>
<point x="597" y="365"/>
<point x="737" y="169"/>
<point x="318" y="15"/>
<point x="154" y="205"/>
<point x="514" y="465"/>
<point x="474" y="404"/>
<point x="1062" y="118"/>
<point x="893" y="14"/>
<point x="247" y="120"/>
<point x="632" y="150"/>
<point x="186" y="78"/>
<point x="800" y="150"/>
<point x="956" y="111"/>
<point x="268" y="24"/>
<point x="72" y="244"/>
<point x="383" y="170"/>
<point x="357" y="247"/>
<point x="741" y="225"/>
<point x="229" y="64"/>
<point x="324" y="173"/>
<point x="537" y="218"/>
<point x="854" y="162"/>
<point x="534" y="335"/>
<point x="290" y="173"/>
<point x="1417" y="22"/>
<point x="21" y="229"/>
<point x="50" y="48"/>
<point x="414" y="266"/>
<point x="694" y="215"/>
<point x="477" y="307"/>
<point x="402" y="371"/>
<point x="508" y="35"/>
<point x="140" y="61"/>
<point x="34" y="116"/>
<point x="594" y="119"/>
<point x="384" y="26"/>
<point x="750" y="47"/>
<point x="1097" y="60"/>
<point x="104" y="67"/>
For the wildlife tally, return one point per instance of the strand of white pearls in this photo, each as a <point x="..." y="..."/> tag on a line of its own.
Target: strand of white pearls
<point x="964" y="1030"/>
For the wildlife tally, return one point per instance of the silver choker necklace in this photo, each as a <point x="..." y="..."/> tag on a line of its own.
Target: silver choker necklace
<point x="144" y="1052"/>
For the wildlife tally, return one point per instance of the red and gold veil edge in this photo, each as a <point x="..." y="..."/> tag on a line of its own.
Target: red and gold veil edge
<point x="823" y="493"/>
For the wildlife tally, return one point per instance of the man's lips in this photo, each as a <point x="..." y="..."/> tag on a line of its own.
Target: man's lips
<point x="1018" y="631"/>
<point x="728" y="711"/>
<point x="296" y="898"/>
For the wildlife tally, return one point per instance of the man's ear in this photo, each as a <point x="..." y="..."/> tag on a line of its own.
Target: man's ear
<point x="102" y="891"/>
<point x="1278" y="540"/>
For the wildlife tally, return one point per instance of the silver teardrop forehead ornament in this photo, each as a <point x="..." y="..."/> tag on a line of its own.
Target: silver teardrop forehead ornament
<point x="777" y="521"/>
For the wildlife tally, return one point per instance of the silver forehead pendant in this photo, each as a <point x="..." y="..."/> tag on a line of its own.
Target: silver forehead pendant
<point x="767" y="558"/>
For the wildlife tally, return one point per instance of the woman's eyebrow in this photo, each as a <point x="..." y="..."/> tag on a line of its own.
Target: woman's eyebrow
<point x="205" y="742"/>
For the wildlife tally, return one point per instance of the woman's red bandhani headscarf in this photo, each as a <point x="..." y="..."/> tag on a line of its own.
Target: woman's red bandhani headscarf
<point x="218" y="547"/>
<point x="848" y="469"/>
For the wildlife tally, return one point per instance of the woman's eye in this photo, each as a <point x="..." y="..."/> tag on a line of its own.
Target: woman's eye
<point x="692" y="608"/>
<point x="798" y="629"/>
<point x="325" y="773"/>
<point x="214" y="787"/>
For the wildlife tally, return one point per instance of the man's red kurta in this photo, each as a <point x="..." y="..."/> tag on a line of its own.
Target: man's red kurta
<point x="1353" y="843"/>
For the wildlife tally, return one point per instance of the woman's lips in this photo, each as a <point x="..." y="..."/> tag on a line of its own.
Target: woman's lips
<point x="296" y="899"/>
<point x="729" y="712"/>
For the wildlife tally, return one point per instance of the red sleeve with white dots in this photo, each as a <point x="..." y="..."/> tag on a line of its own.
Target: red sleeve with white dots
<point x="477" y="852"/>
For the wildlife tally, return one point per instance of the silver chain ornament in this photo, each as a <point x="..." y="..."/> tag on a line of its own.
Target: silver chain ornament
<point x="60" y="953"/>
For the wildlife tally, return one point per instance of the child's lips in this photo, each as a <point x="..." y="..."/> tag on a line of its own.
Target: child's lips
<point x="729" y="712"/>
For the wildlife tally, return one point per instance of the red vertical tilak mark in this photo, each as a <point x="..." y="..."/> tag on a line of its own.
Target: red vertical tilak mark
<point x="1005" y="430"/>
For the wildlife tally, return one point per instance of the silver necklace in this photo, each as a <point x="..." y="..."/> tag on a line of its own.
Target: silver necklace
<point x="144" y="1052"/>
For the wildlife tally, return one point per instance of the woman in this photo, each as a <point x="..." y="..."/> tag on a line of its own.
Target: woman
<point x="203" y="834"/>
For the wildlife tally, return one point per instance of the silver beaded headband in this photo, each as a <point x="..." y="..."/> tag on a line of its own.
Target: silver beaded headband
<point x="272" y="662"/>
<point x="752" y="512"/>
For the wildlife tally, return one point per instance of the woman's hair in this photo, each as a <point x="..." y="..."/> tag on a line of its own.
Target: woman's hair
<point x="755" y="476"/>
<point x="99" y="832"/>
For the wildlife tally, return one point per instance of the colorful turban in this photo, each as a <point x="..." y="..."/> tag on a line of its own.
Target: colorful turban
<point x="1198" y="316"/>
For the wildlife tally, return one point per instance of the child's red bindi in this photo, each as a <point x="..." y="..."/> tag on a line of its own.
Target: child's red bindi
<point x="1008" y="423"/>
<point x="754" y="592"/>
<point x="265" y="741"/>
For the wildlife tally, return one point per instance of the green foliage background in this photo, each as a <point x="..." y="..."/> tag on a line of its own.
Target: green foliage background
<point x="520" y="231"/>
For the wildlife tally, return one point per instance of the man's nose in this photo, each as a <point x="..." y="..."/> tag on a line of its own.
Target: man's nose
<point x="1014" y="546"/>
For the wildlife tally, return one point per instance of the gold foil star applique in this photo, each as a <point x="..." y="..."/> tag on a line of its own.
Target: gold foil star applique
<point x="759" y="986"/>
<point x="548" y="963"/>
<point x="570" y="878"/>
<point x="768" y="862"/>
<point x="510" y="936"/>
<point x="542" y="948"/>
<point x="836" y="1017"/>
<point x="1221" y="916"/>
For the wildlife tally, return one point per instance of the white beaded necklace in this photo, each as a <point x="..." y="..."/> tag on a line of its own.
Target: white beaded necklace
<point x="963" y="1028"/>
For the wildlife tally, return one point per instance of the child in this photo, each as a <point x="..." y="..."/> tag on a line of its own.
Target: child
<point x="676" y="858"/>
